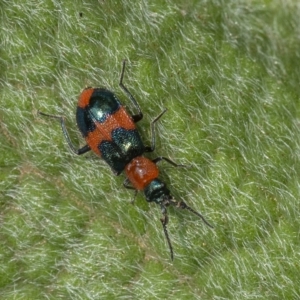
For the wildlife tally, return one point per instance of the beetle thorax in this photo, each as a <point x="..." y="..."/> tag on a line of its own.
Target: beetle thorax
<point x="141" y="171"/>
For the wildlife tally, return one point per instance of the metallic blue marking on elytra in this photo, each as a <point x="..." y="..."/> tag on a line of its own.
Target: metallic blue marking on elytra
<point x="129" y="142"/>
<point x="111" y="153"/>
<point x="84" y="121"/>
<point x="126" y="145"/>
<point x="103" y="103"/>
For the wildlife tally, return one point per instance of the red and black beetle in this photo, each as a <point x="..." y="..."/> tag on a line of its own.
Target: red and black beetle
<point x="110" y="132"/>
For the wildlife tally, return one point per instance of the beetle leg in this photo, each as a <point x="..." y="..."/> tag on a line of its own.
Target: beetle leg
<point x="126" y="184"/>
<point x="79" y="151"/>
<point x="153" y="139"/>
<point x="158" y="159"/>
<point x="139" y="116"/>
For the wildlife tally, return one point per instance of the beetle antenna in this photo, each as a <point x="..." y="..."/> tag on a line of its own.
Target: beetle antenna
<point x="183" y="205"/>
<point x="164" y="222"/>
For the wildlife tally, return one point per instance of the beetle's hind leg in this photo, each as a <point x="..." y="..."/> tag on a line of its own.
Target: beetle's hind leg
<point x="79" y="151"/>
<point x="139" y="115"/>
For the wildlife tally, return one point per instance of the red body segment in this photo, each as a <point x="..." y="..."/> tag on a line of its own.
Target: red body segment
<point x="85" y="96"/>
<point x="141" y="171"/>
<point x="93" y="139"/>
<point x="103" y="131"/>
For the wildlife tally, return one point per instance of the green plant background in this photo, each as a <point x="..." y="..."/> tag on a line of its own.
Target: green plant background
<point x="228" y="71"/>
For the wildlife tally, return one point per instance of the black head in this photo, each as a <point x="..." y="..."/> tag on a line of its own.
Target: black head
<point x="157" y="192"/>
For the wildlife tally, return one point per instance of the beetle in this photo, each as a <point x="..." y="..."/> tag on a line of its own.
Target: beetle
<point x="110" y="132"/>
